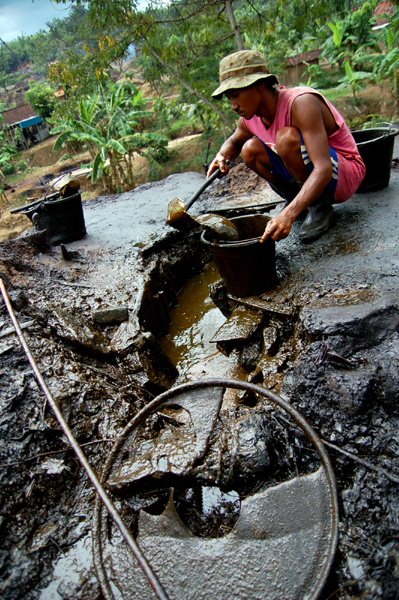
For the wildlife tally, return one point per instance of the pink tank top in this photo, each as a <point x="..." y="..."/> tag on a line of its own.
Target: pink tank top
<point x="351" y="169"/>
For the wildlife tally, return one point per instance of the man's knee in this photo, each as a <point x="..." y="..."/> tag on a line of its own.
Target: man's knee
<point x="288" y="141"/>
<point x="252" y="150"/>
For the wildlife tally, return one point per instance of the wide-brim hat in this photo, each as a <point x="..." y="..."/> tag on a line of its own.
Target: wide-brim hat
<point x="241" y="69"/>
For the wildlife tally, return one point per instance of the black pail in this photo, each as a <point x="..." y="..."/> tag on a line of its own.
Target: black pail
<point x="375" y="146"/>
<point x="62" y="218"/>
<point x="247" y="267"/>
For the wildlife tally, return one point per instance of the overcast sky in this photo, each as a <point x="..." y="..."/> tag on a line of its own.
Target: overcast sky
<point x="25" y="16"/>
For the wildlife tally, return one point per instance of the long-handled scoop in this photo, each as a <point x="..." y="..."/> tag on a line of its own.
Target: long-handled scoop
<point x="177" y="210"/>
<point x="220" y="227"/>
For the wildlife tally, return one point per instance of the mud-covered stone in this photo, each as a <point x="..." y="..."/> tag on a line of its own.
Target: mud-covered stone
<point x="355" y="326"/>
<point x="79" y="332"/>
<point x="18" y="299"/>
<point x="250" y="447"/>
<point x="218" y="295"/>
<point x="387" y="357"/>
<point x="250" y="354"/>
<point x="113" y="314"/>
<point x="159" y="369"/>
<point x="321" y="389"/>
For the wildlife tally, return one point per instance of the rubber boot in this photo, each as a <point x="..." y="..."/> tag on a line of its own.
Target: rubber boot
<point x="318" y="220"/>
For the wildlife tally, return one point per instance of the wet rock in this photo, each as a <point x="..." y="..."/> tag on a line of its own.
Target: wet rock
<point x="218" y="295"/>
<point x="239" y="327"/>
<point x="322" y="389"/>
<point x="388" y="360"/>
<point x="351" y="390"/>
<point x="43" y="536"/>
<point x="159" y="370"/>
<point x="53" y="466"/>
<point x="351" y="328"/>
<point x="78" y="332"/>
<point x="125" y="337"/>
<point x="250" y="448"/>
<point x="152" y="310"/>
<point x="270" y="337"/>
<point x="267" y="304"/>
<point x="111" y="315"/>
<point x="250" y="354"/>
<point x="66" y="255"/>
<point x="177" y="437"/>
<point x="18" y="299"/>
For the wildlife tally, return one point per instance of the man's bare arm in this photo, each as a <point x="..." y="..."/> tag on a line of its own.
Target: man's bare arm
<point x="309" y="116"/>
<point x="230" y="149"/>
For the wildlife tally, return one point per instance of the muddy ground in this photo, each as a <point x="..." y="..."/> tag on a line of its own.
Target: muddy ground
<point x="326" y="340"/>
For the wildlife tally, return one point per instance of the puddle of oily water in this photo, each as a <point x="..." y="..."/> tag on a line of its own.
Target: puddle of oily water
<point x="194" y="322"/>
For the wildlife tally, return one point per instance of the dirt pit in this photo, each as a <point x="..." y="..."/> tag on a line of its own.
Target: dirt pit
<point x="325" y="339"/>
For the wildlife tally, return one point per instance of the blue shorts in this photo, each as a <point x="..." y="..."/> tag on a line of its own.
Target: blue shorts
<point x="278" y="168"/>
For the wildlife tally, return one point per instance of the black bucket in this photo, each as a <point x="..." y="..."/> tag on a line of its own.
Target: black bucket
<point x="375" y="146"/>
<point x="247" y="267"/>
<point x="62" y="218"/>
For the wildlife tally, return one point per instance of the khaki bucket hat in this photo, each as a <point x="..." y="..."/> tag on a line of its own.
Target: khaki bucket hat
<point x="241" y="69"/>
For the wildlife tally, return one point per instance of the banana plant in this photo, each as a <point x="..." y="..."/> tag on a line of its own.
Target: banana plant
<point x="110" y="125"/>
<point x="354" y="79"/>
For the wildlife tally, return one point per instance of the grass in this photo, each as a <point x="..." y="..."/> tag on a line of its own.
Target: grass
<point x="332" y="94"/>
<point x="191" y="155"/>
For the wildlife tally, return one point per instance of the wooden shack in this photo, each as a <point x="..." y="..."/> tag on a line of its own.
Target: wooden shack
<point x="296" y="67"/>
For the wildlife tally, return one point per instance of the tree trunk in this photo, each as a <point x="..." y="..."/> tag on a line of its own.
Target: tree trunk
<point x="234" y="26"/>
<point x="191" y="89"/>
<point x="128" y="159"/>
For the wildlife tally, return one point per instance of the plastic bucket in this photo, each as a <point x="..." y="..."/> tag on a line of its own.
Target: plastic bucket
<point x="375" y="146"/>
<point x="247" y="267"/>
<point x="62" y="218"/>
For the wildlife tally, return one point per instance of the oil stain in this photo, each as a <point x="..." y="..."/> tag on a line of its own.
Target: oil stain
<point x="194" y="322"/>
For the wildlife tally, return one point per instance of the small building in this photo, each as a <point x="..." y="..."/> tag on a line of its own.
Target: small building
<point x="24" y="118"/>
<point x="297" y="65"/>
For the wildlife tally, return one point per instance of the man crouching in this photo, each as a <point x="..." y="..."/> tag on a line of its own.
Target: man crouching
<point x="292" y="137"/>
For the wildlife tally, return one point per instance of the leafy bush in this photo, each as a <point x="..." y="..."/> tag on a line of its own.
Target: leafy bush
<point x="41" y="97"/>
<point x="8" y="169"/>
<point x="21" y="166"/>
<point x="159" y="150"/>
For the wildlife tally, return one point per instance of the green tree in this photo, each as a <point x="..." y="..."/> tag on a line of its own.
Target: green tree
<point x="386" y="64"/>
<point x="41" y="98"/>
<point x="351" y="35"/>
<point x="7" y="150"/>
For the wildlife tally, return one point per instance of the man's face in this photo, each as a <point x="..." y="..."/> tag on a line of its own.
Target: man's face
<point x="244" y="101"/>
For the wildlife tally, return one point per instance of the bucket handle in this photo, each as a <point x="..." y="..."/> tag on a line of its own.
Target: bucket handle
<point x="60" y="200"/>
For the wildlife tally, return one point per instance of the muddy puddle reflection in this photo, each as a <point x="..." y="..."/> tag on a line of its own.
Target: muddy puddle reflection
<point x="194" y="322"/>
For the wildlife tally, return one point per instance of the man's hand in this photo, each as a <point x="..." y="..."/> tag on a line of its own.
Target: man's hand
<point x="278" y="228"/>
<point x="219" y="162"/>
